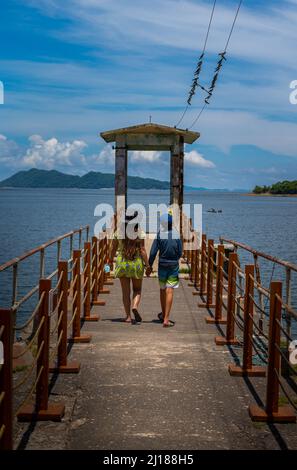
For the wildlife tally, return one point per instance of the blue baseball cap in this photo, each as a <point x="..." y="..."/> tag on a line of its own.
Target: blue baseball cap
<point x="166" y="220"/>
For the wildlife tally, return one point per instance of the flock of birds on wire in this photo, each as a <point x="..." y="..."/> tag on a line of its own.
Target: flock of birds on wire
<point x="195" y="82"/>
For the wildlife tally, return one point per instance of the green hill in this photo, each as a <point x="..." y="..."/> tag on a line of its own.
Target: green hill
<point x="35" y="178"/>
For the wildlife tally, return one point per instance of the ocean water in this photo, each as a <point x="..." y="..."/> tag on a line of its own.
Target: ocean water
<point x="30" y="217"/>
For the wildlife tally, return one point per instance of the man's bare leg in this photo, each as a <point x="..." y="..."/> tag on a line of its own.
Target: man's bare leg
<point x="168" y="304"/>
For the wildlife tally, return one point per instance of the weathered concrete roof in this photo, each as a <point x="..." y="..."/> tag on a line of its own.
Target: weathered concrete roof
<point x="150" y="128"/>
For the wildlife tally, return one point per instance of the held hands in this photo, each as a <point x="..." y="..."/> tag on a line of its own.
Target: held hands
<point x="148" y="271"/>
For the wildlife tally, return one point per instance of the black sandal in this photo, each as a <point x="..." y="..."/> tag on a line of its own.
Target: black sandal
<point x="137" y="317"/>
<point x="160" y="316"/>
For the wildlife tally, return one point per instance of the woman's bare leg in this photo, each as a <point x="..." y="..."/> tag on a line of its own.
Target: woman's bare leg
<point x="125" y="284"/>
<point x="137" y="285"/>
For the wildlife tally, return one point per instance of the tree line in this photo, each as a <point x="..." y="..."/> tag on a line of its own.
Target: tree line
<point x="282" y="187"/>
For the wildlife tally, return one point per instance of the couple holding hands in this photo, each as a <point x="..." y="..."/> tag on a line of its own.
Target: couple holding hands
<point x="132" y="262"/>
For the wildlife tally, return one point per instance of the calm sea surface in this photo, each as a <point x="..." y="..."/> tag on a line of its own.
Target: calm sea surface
<point x="30" y="217"/>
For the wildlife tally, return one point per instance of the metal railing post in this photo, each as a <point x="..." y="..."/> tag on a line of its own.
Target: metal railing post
<point x="15" y="284"/>
<point x="231" y="304"/>
<point x="87" y="284"/>
<point x="273" y="412"/>
<point x="107" y="279"/>
<point x="42" y="264"/>
<point x="218" y="318"/>
<point x="80" y="239"/>
<point x="209" y="280"/>
<point x="77" y="337"/>
<point x="102" y="259"/>
<point x="42" y="410"/>
<point x="94" y="269"/>
<point x="191" y="266"/>
<point x="6" y="380"/>
<point x="247" y="368"/>
<point x="288" y="302"/>
<point x="202" y="265"/>
<point x="63" y="366"/>
<point x="70" y="245"/>
<point x="58" y="251"/>
<point x="196" y="273"/>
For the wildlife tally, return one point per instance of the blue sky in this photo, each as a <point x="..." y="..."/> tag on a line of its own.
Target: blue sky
<point x="75" y="68"/>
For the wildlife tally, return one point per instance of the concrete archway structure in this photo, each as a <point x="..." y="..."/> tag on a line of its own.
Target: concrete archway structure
<point x="150" y="136"/>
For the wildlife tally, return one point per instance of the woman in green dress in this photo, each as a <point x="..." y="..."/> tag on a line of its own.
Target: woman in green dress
<point x="131" y="262"/>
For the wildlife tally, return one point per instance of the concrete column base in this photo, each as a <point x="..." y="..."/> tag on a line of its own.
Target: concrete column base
<point x="221" y="341"/>
<point x="80" y="339"/>
<point x="254" y="371"/>
<point x="70" y="368"/>
<point x="92" y="318"/>
<point x="213" y="321"/>
<point x="54" y="412"/>
<point x="285" y="414"/>
<point x="99" y="302"/>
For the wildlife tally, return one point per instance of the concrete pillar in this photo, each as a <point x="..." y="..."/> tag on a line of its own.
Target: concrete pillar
<point x="121" y="170"/>
<point x="176" y="173"/>
<point x="181" y="171"/>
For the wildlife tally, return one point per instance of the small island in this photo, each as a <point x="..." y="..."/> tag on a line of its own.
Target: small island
<point x="282" y="188"/>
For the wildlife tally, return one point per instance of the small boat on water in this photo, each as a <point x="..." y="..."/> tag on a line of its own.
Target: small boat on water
<point x="215" y="211"/>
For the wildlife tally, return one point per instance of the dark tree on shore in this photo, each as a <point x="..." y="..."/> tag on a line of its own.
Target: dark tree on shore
<point x="282" y="187"/>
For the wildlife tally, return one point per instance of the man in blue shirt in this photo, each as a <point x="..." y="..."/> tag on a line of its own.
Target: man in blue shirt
<point x="169" y="246"/>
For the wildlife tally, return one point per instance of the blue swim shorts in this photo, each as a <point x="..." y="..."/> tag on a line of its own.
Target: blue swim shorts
<point x="168" y="276"/>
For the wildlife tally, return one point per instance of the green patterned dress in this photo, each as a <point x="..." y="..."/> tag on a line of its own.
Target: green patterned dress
<point x="129" y="268"/>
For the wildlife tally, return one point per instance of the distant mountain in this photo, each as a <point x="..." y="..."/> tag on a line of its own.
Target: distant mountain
<point x="35" y="178"/>
<point x="93" y="180"/>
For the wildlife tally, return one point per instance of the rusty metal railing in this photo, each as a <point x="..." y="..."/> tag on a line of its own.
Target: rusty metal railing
<point x="56" y="319"/>
<point x="231" y="298"/>
<point x="288" y="268"/>
<point x="15" y="264"/>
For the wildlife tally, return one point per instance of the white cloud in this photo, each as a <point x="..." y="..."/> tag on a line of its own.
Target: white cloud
<point x="257" y="93"/>
<point x="145" y="156"/>
<point x="196" y="159"/>
<point x="51" y="153"/>
<point x="265" y="171"/>
<point x="225" y="129"/>
<point x="250" y="106"/>
<point x="261" y="34"/>
<point x="8" y="150"/>
<point x="105" y="157"/>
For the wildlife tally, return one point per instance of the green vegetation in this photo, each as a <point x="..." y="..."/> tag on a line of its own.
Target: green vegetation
<point x="35" y="178"/>
<point x="284" y="401"/>
<point x="19" y="369"/>
<point x="282" y="187"/>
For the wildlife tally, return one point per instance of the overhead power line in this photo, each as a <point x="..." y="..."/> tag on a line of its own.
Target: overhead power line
<point x="200" y="61"/>
<point x="198" y="68"/>
<point x="222" y="56"/>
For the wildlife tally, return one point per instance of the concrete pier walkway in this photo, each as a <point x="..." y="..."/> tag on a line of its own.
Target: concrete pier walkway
<point x="146" y="387"/>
